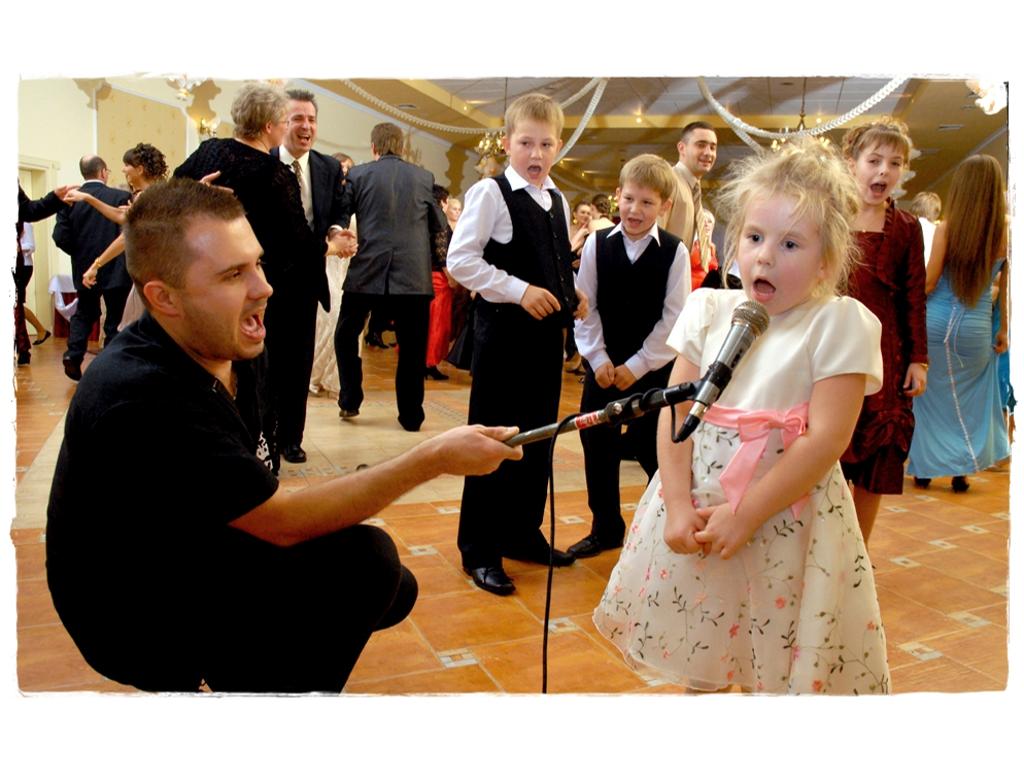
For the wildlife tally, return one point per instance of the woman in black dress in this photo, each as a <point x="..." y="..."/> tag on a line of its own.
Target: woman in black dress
<point x="293" y="257"/>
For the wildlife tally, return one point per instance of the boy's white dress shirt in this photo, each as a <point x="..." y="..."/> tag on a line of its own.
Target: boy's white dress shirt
<point x="485" y="217"/>
<point x="655" y="352"/>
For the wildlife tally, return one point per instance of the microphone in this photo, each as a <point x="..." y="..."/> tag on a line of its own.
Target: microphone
<point x="749" y="320"/>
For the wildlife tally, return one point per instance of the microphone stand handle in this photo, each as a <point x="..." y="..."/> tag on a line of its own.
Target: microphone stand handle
<point x="615" y="412"/>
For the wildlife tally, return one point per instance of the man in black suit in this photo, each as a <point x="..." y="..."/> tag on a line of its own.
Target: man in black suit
<point x="84" y="233"/>
<point x="291" y="341"/>
<point x="399" y="224"/>
<point x="28" y="211"/>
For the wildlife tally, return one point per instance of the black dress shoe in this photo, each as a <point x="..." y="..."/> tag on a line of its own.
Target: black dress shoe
<point x="24" y="358"/>
<point x="375" y="340"/>
<point x="294" y="454"/>
<point x="540" y="554"/>
<point x="344" y="413"/>
<point x="590" y="546"/>
<point x="436" y="375"/>
<point x="493" y="579"/>
<point x="411" y="424"/>
<point x="922" y="482"/>
<point x="73" y="369"/>
<point x="960" y="484"/>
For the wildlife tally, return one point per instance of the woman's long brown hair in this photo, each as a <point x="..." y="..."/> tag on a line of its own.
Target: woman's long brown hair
<point x="975" y="226"/>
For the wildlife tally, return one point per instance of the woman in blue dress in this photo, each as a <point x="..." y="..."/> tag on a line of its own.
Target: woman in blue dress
<point x="960" y="426"/>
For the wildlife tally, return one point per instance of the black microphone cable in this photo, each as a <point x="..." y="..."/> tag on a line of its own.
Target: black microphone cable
<point x="646" y="396"/>
<point x="551" y="551"/>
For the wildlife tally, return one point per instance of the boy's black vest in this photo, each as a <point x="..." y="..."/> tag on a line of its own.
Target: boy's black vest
<point x="631" y="297"/>
<point x="539" y="249"/>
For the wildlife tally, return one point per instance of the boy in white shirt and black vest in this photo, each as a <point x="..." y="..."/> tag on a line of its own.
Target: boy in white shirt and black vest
<point x="512" y="248"/>
<point x="636" y="277"/>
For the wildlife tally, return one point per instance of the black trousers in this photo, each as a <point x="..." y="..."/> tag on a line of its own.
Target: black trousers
<point x="252" y="617"/>
<point x="88" y="311"/>
<point x="517" y="381"/>
<point x="412" y="321"/>
<point x="605" y="445"/>
<point x="291" y="338"/>
<point x="296" y="619"/>
<point x="22" y="274"/>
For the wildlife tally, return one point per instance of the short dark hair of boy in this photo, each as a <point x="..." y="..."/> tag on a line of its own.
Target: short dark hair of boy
<point x="601" y="203"/>
<point x="154" y="232"/>
<point x="440" y="194"/>
<point x="91" y="166"/>
<point x="695" y="125"/>
<point x="301" y="94"/>
<point x="651" y="172"/>
<point x="387" y="139"/>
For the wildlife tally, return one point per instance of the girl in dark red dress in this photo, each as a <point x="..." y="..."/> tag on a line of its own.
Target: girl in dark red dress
<point x="889" y="280"/>
<point x="439" y="333"/>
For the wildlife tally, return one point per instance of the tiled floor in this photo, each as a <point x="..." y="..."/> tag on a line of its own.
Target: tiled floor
<point x="941" y="565"/>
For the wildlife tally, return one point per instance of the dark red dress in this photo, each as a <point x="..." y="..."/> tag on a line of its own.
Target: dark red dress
<point x="439" y="334"/>
<point x="889" y="281"/>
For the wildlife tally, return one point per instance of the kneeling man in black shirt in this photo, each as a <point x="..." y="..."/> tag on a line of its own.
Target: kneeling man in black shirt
<point x="173" y="557"/>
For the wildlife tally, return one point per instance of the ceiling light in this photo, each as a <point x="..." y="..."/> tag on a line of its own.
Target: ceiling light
<point x="991" y="95"/>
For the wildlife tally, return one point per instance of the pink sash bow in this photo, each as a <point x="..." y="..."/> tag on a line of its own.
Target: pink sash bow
<point x="754" y="427"/>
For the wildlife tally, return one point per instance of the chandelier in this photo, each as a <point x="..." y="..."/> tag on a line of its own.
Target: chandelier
<point x="991" y="95"/>
<point x="801" y="127"/>
<point x="491" y="144"/>
<point x="184" y="86"/>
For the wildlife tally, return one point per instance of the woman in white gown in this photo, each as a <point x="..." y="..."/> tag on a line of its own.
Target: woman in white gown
<point x="324" y="379"/>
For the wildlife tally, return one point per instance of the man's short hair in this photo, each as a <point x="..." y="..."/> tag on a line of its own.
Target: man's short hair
<point x="695" y="125"/>
<point x="537" y="107"/>
<point x="154" y="232"/>
<point x="91" y="166"/>
<point x="387" y="139"/>
<point x="652" y="172"/>
<point x="441" y="194"/>
<point x="301" y="94"/>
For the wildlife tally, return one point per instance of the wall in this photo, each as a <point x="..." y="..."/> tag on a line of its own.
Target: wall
<point x="106" y="116"/>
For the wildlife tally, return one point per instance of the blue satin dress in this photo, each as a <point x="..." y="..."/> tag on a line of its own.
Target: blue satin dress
<point x="960" y="426"/>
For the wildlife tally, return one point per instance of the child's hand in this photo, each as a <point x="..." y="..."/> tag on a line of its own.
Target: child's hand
<point x="605" y="375"/>
<point x="624" y="378"/>
<point x="680" y="527"/>
<point x="916" y="380"/>
<point x="582" y="306"/>
<point x="539" y="302"/>
<point x="723" y="532"/>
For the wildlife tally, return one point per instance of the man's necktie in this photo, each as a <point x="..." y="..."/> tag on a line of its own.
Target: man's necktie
<point x="306" y="206"/>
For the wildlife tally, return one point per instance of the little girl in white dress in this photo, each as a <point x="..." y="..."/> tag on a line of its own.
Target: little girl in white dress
<point x="744" y="564"/>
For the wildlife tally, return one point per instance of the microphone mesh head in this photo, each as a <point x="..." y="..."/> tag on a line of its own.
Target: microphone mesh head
<point x="752" y="313"/>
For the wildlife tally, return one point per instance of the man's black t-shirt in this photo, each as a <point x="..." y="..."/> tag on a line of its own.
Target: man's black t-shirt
<point x="157" y="459"/>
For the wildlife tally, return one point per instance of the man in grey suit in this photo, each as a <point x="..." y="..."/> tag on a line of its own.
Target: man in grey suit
<point x="84" y="233"/>
<point x="399" y="228"/>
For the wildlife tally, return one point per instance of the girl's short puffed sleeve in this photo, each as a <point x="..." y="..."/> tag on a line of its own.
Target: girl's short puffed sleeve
<point x="691" y="329"/>
<point x="846" y="337"/>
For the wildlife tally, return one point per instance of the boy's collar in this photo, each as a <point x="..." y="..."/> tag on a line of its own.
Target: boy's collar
<point x="515" y="181"/>
<point x="653" y="232"/>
